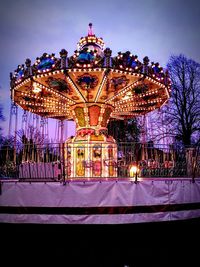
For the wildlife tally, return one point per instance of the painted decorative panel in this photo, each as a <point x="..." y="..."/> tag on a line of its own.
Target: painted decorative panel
<point x="94" y="112"/>
<point x="80" y="116"/>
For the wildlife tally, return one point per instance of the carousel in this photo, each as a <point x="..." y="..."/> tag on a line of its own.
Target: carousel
<point x="90" y="87"/>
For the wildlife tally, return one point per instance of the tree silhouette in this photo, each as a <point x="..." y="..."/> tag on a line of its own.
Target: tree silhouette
<point x="1" y="118"/>
<point x="180" y="118"/>
<point x="124" y="130"/>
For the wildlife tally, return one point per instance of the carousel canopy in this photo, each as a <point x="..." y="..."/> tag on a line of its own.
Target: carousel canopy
<point x="63" y="87"/>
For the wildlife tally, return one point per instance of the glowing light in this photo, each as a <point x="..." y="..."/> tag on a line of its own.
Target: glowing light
<point x="36" y="88"/>
<point x="133" y="171"/>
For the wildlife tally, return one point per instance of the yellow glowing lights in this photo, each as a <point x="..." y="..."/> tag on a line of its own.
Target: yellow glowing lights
<point x="66" y="93"/>
<point x="36" y="88"/>
<point x="133" y="171"/>
<point x="121" y="91"/>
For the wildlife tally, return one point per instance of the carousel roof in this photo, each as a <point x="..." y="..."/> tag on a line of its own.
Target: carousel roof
<point x="52" y="86"/>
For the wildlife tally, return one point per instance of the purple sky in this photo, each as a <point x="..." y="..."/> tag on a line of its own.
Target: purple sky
<point x="156" y="28"/>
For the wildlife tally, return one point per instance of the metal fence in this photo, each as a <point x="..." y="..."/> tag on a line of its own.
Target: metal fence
<point x="50" y="162"/>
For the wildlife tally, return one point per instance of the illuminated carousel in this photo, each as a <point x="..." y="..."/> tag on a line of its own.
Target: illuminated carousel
<point x="90" y="87"/>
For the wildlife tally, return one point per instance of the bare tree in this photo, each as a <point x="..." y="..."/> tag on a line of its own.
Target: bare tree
<point x="180" y="118"/>
<point x="1" y="117"/>
<point x="127" y="130"/>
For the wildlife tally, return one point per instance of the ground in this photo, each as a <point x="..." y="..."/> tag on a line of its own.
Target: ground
<point x="134" y="245"/>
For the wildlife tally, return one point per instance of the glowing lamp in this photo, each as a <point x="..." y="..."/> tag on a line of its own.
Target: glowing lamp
<point x="133" y="171"/>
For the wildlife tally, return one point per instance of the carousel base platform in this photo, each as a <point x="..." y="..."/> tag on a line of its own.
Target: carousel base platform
<point x="108" y="201"/>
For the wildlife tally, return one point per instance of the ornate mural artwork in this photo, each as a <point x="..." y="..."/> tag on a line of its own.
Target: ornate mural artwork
<point x="111" y="164"/>
<point x="80" y="157"/>
<point x="140" y="88"/>
<point x="80" y="116"/>
<point x="46" y="62"/>
<point x="90" y="87"/>
<point x="97" y="153"/>
<point x="94" y="112"/>
<point x="99" y="137"/>
<point x="87" y="81"/>
<point x="118" y="83"/>
<point x="59" y="85"/>
<point x="75" y="97"/>
<point x="128" y="61"/>
<point x="69" y="161"/>
<point x="81" y="138"/>
<point x="85" y="56"/>
<point x="106" y="116"/>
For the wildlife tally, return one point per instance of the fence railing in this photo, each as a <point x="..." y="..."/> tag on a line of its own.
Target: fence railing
<point x="52" y="162"/>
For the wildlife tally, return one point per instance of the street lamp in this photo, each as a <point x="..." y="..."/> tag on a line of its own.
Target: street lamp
<point x="134" y="171"/>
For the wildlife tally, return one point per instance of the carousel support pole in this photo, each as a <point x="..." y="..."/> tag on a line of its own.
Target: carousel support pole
<point x="37" y="137"/>
<point x="14" y="112"/>
<point x="64" y="65"/>
<point x="59" y="141"/>
<point x="9" y="131"/>
<point x="190" y="151"/>
<point x="42" y="138"/>
<point x="144" y="148"/>
<point x="10" y="121"/>
<point x="67" y="163"/>
<point x="67" y="155"/>
<point x="195" y="161"/>
<point x="63" y="150"/>
<point x="137" y="160"/>
<point x="15" y="136"/>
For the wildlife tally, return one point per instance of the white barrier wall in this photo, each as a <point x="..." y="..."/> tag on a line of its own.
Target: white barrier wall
<point x="99" y="202"/>
<point x="39" y="170"/>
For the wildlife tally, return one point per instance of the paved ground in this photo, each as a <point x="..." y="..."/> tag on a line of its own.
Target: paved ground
<point x="149" y="244"/>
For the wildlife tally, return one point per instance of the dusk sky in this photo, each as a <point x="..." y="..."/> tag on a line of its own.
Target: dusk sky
<point x="153" y="28"/>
